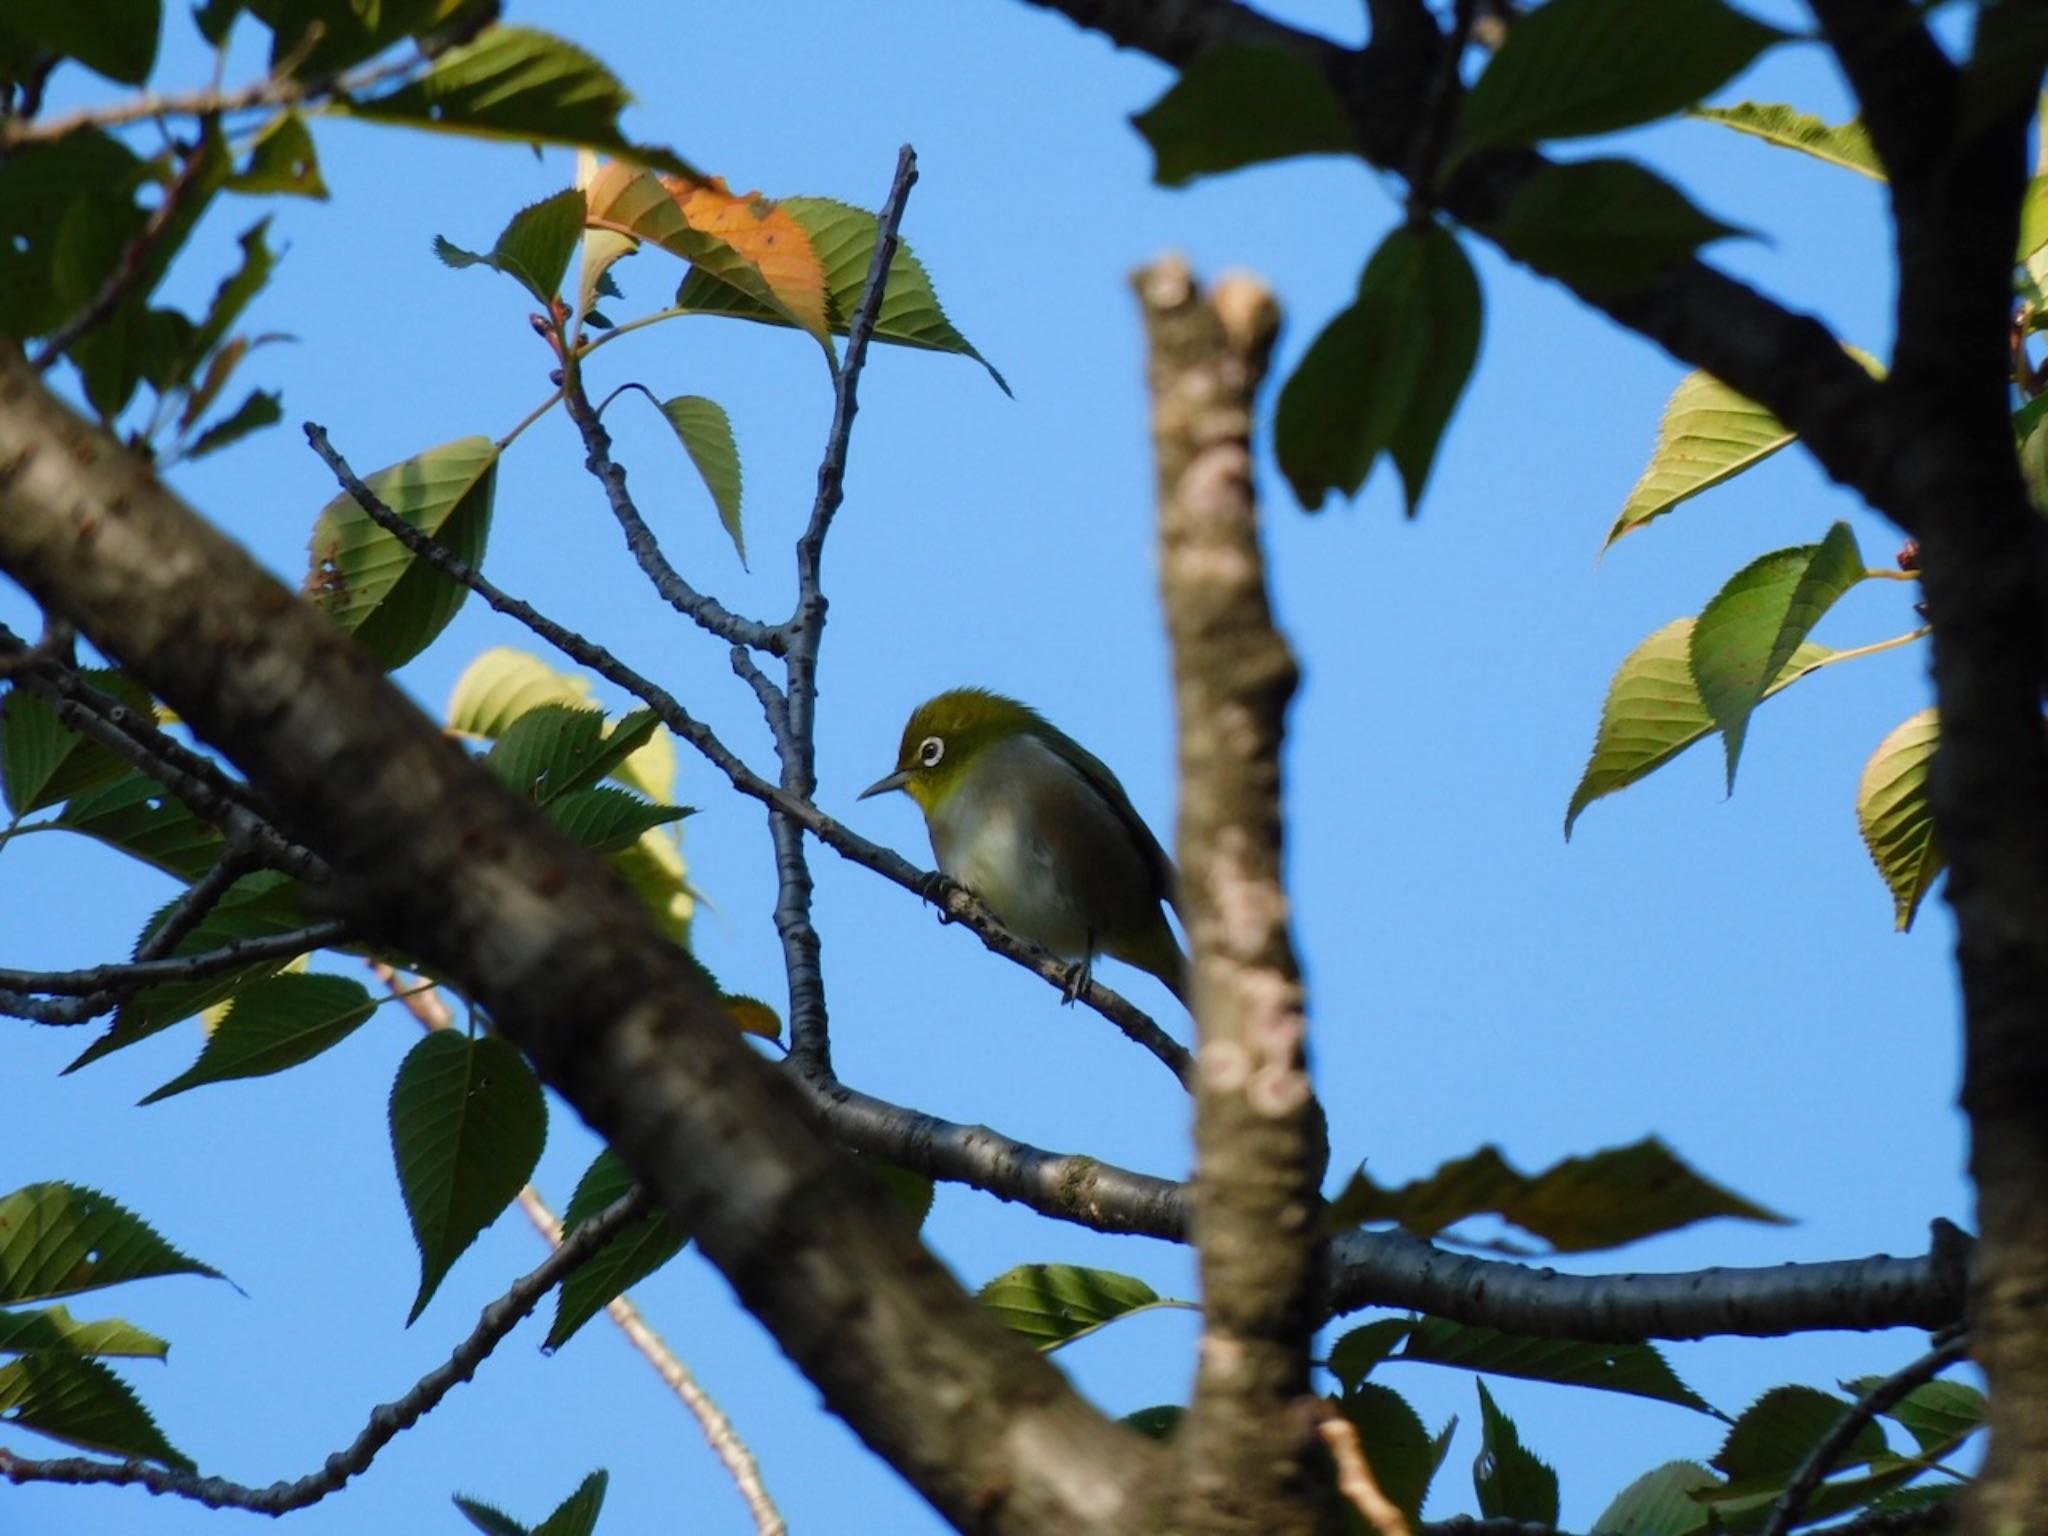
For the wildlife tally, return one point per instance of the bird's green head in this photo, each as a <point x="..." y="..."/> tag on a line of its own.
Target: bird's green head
<point x="945" y="735"/>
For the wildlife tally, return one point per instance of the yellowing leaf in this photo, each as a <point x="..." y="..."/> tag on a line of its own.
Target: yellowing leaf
<point x="1897" y="817"/>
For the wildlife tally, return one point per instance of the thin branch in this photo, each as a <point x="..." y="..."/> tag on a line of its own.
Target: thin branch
<point x="704" y="611"/>
<point x="274" y="91"/>
<point x="809" y="1031"/>
<point x="1820" y="1461"/>
<point x="425" y="1005"/>
<point x="192" y="906"/>
<point x="105" y="987"/>
<point x="1910" y="1522"/>
<point x="956" y="903"/>
<point x="1354" y="1476"/>
<point x="386" y="1422"/>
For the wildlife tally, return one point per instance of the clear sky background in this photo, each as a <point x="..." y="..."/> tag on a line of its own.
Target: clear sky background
<point x="1719" y="971"/>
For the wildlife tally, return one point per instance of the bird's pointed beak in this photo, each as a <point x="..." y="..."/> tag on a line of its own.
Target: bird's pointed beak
<point x="897" y="780"/>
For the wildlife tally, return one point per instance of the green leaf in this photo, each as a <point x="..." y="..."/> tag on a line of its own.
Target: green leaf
<point x="622" y="1263"/>
<point x="554" y="749"/>
<point x="259" y="409"/>
<point x="115" y="38"/>
<point x="1777" y="1432"/>
<point x="1054" y="1304"/>
<point x="489" y="1519"/>
<point x="1157" y="1423"/>
<point x="577" y="1514"/>
<point x="44" y="761"/>
<point x="1787" y="127"/>
<point x="1385" y="374"/>
<point x="1753" y="626"/>
<point x="1580" y="1204"/>
<point x="1659" y="1503"/>
<point x="1636" y="1369"/>
<point x="1709" y="434"/>
<point x="1353" y="1356"/>
<point x="1897" y="815"/>
<point x="321" y="37"/>
<point x="48" y="191"/>
<point x="517" y="83"/>
<point x="55" y="1329"/>
<point x="467" y="1125"/>
<point x="1602" y="225"/>
<point x="914" y="1192"/>
<point x="236" y="290"/>
<point x="1653" y="712"/>
<point x="60" y="1239"/>
<point x="1404" y="1459"/>
<point x="82" y="1403"/>
<point x="1511" y="1482"/>
<point x="369" y="583"/>
<point x="1939" y="1415"/>
<point x="1239" y="106"/>
<point x="1576" y="67"/>
<point x="274" y="1024"/>
<point x="705" y="432"/>
<point x="609" y="821"/>
<point x="281" y="160"/>
<point x="534" y="248"/>
<point x="142" y="819"/>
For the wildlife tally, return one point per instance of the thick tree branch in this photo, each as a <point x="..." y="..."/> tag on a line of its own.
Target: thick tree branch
<point x="1247" y="1461"/>
<point x="429" y="850"/>
<point x="386" y="1422"/>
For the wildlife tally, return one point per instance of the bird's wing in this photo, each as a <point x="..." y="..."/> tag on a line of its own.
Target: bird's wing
<point x="1096" y="772"/>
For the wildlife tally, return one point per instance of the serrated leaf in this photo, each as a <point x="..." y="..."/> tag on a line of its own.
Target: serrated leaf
<point x="1576" y="67"/>
<point x="1636" y="1369"/>
<point x="553" y="749"/>
<point x="1403" y="1457"/>
<point x="622" y="1263"/>
<point x="1353" y="1356"/>
<point x="60" y="1239"/>
<point x="705" y="432"/>
<point x="489" y="1519"/>
<point x="1385" y="374"/>
<point x="1602" y="225"/>
<point x="142" y="819"/>
<point x="256" y="906"/>
<point x="82" y="1403"/>
<point x="1659" y="1503"/>
<point x="533" y="249"/>
<point x="1511" y="1482"/>
<point x="1156" y="1423"/>
<point x="609" y="821"/>
<point x="54" y="1328"/>
<point x="520" y="84"/>
<point x="577" y="1514"/>
<point x="1653" y="712"/>
<point x="1239" y="106"/>
<point x="467" y="1126"/>
<point x="234" y="294"/>
<point x="1896" y="814"/>
<point x="1744" y="637"/>
<point x="282" y="160"/>
<point x="1938" y="1414"/>
<point x="1054" y="1304"/>
<point x="755" y="1017"/>
<point x="275" y="1024"/>
<point x="44" y="761"/>
<point x="1787" y="127"/>
<point x="374" y="587"/>
<point x="1577" y="1205"/>
<point x="1777" y="1432"/>
<point x="844" y="238"/>
<point x="114" y="38"/>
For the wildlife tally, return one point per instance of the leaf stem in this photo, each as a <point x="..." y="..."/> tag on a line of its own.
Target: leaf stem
<point x="1881" y="645"/>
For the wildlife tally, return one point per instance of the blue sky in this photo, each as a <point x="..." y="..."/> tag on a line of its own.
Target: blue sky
<point x="1719" y="971"/>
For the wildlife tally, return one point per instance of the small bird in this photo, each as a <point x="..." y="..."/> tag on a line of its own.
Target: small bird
<point x="1037" y="826"/>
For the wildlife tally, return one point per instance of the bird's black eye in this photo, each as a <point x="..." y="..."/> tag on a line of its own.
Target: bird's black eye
<point x="930" y="750"/>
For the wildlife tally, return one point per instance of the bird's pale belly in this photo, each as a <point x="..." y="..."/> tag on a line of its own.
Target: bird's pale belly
<point x="998" y="855"/>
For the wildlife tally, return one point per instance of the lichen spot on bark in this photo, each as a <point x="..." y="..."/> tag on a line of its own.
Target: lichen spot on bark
<point x="1225" y="1065"/>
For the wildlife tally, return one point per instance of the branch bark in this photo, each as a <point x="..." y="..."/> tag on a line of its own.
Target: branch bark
<point x="1246" y="1449"/>
<point x="427" y="850"/>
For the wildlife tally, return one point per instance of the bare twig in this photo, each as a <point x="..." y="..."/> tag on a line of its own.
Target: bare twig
<point x="192" y="906"/>
<point x="426" y="1006"/>
<point x="1354" y="1475"/>
<point x="386" y="1422"/>
<point x="1820" y="1461"/>
<point x="135" y="975"/>
<point x="810" y="1047"/>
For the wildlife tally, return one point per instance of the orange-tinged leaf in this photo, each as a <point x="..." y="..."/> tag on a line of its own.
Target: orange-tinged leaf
<point x="767" y="236"/>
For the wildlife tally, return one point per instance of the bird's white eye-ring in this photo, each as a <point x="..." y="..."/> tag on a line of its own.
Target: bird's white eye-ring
<point x="930" y="750"/>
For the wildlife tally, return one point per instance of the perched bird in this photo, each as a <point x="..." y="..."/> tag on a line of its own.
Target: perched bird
<point x="1037" y="826"/>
